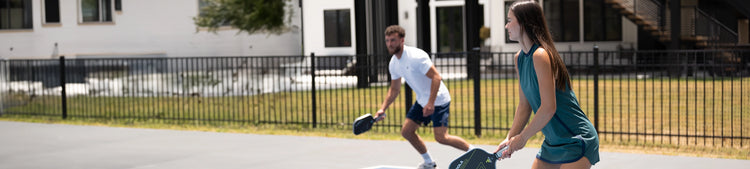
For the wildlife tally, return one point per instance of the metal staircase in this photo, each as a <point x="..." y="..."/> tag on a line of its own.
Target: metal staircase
<point x="698" y="28"/>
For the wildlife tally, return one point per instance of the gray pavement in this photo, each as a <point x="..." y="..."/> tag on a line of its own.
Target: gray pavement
<point x="43" y="146"/>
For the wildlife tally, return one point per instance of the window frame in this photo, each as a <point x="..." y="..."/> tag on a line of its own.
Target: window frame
<point x="566" y="20"/>
<point x="118" y="5"/>
<point x="339" y="40"/>
<point x="44" y="14"/>
<point x="224" y="26"/>
<point x="101" y="16"/>
<point x="461" y="39"/>
<point x="601" y="31"/>
<point x="27" y="17"/>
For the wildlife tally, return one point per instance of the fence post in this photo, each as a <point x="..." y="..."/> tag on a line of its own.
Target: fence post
<point x="596" y="88"/>
<point x="4" y="77"/>
<point x="314" y="98"/>
<point x="63" y="94"/>
<point x="474" y="54"/>
<point x="362" y="70"/>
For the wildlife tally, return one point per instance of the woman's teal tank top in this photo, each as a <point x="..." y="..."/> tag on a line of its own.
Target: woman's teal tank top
<point x="569" y="135"/>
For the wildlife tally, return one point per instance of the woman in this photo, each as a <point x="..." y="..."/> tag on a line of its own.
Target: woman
<point x="570" y="139"/>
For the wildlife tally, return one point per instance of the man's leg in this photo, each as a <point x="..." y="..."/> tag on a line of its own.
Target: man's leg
<point x="442" y="137"/>
<point x="408" y="131"/>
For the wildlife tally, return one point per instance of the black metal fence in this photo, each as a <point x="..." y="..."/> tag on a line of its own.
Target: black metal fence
<point x="661" y="97"/>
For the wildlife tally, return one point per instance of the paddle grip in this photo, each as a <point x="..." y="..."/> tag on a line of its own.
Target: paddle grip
<point x="379" y="118"/>
<point x="500" y="153"/>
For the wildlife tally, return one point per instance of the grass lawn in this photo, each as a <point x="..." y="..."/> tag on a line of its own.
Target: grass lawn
<point x="674" y="114"/>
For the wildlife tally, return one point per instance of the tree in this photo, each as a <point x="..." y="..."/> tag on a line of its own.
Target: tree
<point x="251" y="16"/>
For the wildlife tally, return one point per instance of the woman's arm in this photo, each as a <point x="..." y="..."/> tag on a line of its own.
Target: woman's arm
<point x="521" y="118"/>
<point x="523" y="110"/>
<point x="548" y="105"/>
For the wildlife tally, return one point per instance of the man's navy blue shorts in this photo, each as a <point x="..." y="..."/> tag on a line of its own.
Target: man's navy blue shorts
<point x="439" y="118"/>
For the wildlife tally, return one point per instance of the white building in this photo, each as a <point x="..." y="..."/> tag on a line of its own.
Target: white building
<point x="127" y="28"/>
<point x="165" y="28"/>
<point x="576" y="25"/>
<point x="443" y="15"/>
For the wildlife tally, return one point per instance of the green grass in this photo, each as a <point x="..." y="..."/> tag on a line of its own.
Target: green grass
<point x="712" y="107"/>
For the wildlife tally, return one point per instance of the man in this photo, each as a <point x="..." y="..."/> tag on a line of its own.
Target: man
<point x="433" y="99"/>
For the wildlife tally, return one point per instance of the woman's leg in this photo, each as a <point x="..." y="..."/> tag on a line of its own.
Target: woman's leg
<point x="583" y="163"/>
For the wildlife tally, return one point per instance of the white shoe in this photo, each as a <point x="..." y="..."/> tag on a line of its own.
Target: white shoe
<point x="431" y="165"/>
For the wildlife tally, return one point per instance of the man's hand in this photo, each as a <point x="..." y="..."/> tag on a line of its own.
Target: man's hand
<point x="380" y="115"/>
<point x="428" y="109"/>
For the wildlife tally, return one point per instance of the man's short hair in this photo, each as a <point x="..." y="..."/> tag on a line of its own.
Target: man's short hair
<point x="395" y="29"/>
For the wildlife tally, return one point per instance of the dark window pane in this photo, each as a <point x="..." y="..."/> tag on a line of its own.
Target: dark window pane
<point x="562" y="19"/>
<point x="90" y="10"/>
<point x="344" y="28"/>
<point x="337" y="27"/>
<point x="613" y="30"/>
<point x="450" y="29"/>
<point x="118" y="5"/>
<point x="96" y="10"/>
<point x="601" y="22"/>
<point x="52" y="11"/>
<point x="106" y="9"/>
<point x="15" y="14"/>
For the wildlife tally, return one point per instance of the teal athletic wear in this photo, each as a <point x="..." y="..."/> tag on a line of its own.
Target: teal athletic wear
<point x="569" y="135"/>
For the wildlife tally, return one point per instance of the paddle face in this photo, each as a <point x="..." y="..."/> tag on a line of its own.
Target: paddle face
<point x="363" y="123"/>
<point x="476" y="159"/>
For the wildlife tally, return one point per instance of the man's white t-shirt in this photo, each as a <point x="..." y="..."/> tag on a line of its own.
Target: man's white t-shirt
<point x="413" y="67"/>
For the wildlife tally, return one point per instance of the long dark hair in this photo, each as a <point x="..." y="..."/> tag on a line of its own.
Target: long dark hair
<point x="531" y="19"/>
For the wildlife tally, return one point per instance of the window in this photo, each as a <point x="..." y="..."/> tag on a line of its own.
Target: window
<point x="601" y="22"/>
<point x="450" y="29"/>
<point x="96" y="10"/>
<point x="51" y="11"/>
<point x="562" y="19"/>
<point x="202" y="4"/>
<point x="15" y="14"/>
<point x="337" y="28"/>
<point x="118" y="5"/>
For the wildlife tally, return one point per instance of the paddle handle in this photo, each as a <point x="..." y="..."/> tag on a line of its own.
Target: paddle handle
<point x="500" y="153"/>
<point x="379" y="118"/>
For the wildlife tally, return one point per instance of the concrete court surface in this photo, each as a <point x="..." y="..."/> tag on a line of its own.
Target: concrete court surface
<point x="47" y="146"/>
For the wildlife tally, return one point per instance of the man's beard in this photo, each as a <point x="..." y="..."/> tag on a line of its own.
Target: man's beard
<point x="396" y="50"/>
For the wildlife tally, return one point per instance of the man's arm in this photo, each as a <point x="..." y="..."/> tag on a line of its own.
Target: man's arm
<point x="393" y="92"/>
<point x="433" y="74"/>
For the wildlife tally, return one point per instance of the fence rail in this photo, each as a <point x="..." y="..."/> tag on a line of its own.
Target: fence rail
<point x="662" y="97"/>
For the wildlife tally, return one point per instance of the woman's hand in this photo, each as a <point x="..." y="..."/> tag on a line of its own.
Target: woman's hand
<point x="499" y="147"/>
<point x="514" y="144"/>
